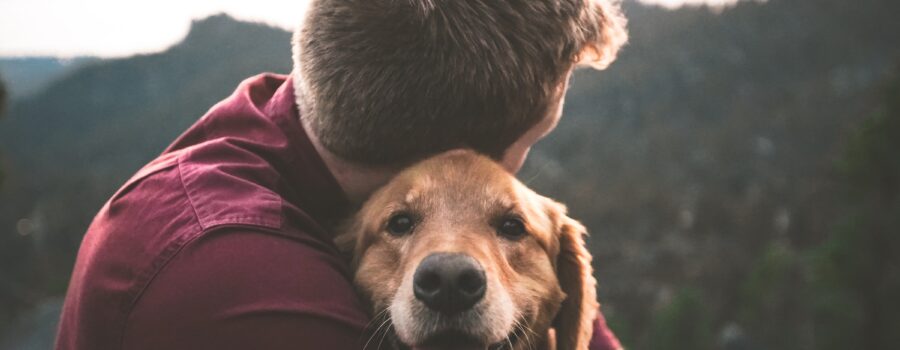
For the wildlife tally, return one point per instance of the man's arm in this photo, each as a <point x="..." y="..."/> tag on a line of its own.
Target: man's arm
<point x="248" y="290"/>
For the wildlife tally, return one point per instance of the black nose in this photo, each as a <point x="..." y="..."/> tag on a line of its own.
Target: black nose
<point x="449" y="282"/>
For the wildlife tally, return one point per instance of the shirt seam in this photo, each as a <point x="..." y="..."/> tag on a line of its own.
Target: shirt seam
<point x="156" y="266"/>
<point x="187" y="194"/>
<point x="147" y="275"/>
<point x="171" y="250"/>
<point x="205" y="223"/>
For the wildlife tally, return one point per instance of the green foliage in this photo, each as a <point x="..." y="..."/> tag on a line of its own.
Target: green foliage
<point x="683" y="324"/>
<point x="856" y="283"/>
<point x="2" y="112"/>
<point x="769" y="293"/>
<point x="871" y="162"/>
<point x="841" y="293"/>
<point x="774" y="268"/>
<point x="2" y="97"/>
<point x="857" y="270"/>
<point x="837" y="307"/>
<point x="622" y="330"/>
<point x="712" y="137"/>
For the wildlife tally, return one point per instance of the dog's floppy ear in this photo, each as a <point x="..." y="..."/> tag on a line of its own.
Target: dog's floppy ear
<point x="574" y="322"/>
<point x="351" y="239"/>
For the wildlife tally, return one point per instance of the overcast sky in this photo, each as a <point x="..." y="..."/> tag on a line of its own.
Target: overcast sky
<point x="114" y="28"/>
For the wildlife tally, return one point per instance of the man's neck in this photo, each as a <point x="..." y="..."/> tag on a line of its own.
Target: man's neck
<point x="356" y="180"/>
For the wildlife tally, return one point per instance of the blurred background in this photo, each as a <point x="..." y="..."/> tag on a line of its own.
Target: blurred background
<point x="738" y="166"/>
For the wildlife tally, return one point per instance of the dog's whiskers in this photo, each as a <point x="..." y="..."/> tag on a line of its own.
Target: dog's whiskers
<point x="387" y="330"/>
<point x="527" y="341"/>
<point x="530" y="336"/>
<point x="533" y="337"/>
<point x="376" y="318"/>
<point x="387" y="319"/>
<point x="383" y="333"/>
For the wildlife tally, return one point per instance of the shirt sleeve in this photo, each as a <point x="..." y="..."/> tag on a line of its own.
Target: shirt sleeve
<point x="248" y="290"/>
<point x="603" y="338"/>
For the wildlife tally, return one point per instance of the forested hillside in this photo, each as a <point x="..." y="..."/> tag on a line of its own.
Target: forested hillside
<point x="2" y="112"/>
<point x="737" y="169"/>
<point x="705" y="159"/>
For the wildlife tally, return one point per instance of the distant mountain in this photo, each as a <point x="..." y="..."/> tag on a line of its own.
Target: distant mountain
<point x="27" y="75"/>
<point x="705" y="152"/>
<point x="102" y="122"/>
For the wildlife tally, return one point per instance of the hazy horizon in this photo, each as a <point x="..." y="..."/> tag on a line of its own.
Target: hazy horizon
<point x="71" y="29"/>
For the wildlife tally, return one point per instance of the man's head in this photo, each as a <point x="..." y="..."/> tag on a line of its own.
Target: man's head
<point x="388" y="82"/>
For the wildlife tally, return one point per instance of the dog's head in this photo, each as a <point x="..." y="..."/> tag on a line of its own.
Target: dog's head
<point x="455" y="253"/>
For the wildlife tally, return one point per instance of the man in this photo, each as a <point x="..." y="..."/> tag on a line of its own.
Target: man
<point x="225" y="240"/>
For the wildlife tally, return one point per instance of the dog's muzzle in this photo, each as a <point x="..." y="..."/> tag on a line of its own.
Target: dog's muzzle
<point x="449" y="283"/>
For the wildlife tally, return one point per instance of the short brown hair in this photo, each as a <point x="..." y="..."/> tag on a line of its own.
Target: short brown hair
<point x="393" y="81"/>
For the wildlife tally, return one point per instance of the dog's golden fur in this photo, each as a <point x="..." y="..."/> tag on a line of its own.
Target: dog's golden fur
<point x="541" y="280"/>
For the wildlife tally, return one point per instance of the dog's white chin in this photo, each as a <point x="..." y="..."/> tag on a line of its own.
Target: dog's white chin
<point x="455" y="348"/>
<point x="490" y="321"/>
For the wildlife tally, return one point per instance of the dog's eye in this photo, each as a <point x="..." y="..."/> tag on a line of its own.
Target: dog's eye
<point x="400" y="224"/>
<point x="512" y="228"/>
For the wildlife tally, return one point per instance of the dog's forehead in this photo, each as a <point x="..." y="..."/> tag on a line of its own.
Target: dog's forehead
<point x="418" y="187"/>
<point x="474" y="189"/>
<point x="466" y="187"/>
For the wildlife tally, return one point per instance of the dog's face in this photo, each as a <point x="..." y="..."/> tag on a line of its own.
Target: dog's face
<point x="455" y="253"/>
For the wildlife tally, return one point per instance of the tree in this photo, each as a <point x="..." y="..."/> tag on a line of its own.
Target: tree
<point x="2" y="97"/>
<point x="857" y="271"/>
<point x="682" y="324"/>
<point x="2" y="111"/>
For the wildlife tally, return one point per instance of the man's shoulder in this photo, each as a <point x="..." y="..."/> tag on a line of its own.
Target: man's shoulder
<point x="254" y="266"/>
<point x="186" y="194"/>
<point x="226" y="184"/>
<point x="177" y="199"/>
<point x="216" y="183"/>
<point x="237" y="276"/>
<point x="235" y="167"/>
<point x="246" y="166"/>
<point x="180" y="193"/>
<point x="163" y="235"/>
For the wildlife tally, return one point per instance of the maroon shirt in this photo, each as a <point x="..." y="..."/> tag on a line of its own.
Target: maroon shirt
<point x="220" y="243"/>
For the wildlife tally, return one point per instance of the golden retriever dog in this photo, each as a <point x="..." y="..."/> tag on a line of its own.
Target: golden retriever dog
<point x="455" y="253"/>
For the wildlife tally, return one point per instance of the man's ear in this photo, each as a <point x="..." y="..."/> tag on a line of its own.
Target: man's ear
<point x="574" y="322"/>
